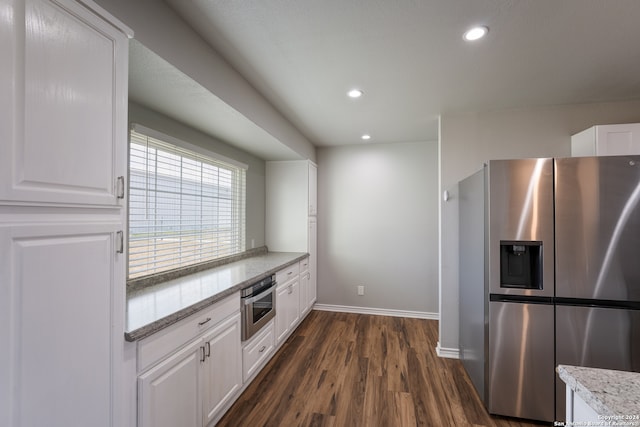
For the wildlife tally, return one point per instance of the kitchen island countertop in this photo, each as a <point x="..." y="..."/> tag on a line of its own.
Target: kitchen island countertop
<point x="607" y="392"/>
<point x="155" y="307"/>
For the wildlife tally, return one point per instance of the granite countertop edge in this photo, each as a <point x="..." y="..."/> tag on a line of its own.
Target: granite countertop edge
<point x="153" y="327"/>
<point x="608" y="392"/>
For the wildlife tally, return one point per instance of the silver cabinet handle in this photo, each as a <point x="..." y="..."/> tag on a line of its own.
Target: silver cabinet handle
<point x="290" y="289"/>
<point x="120" y="188"/>
<point x="290" y="273"/>
<point x="208" y="344"/>
<point x="120" y="242"/>
<point x="202" y="353"/>
<point x="204" y="321"/>
<point x="262" y="349"/>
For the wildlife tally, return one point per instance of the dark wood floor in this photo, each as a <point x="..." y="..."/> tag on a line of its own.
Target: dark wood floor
<point x="341" y="369"/>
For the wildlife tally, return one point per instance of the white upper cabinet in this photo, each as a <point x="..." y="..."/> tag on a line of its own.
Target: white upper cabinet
<point x="291" y="199"/>
<point x="607" y="140"/>
<point x="63" y="95"/>
<point x="313" y="189"/>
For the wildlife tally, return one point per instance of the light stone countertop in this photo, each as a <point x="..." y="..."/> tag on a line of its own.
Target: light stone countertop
<point x="155" y="307"/>
<point x="608" y="392"/>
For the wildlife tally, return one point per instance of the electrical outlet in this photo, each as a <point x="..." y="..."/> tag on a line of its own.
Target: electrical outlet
<point x="360" y="290"/>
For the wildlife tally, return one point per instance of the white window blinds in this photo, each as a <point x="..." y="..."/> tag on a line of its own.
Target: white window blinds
<point x="185" y="208"/>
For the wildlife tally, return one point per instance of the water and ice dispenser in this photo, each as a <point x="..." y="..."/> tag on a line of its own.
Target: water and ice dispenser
<point x="521" y="264"/>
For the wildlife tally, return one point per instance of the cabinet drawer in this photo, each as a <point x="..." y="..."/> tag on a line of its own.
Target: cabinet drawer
<point x="170" y="339"/>
<point x="256" y="352"/>
<point x="287" y="274"/>
<point x="304" y="265"/>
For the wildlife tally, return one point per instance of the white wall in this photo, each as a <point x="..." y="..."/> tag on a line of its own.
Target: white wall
<point x="377" y="226"/>
<point x="255" y="173"/>
<point x="468" y="140"/>
<point x="158" y="27"/>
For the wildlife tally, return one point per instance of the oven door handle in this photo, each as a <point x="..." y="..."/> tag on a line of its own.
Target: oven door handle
<point x="259" y="296"/>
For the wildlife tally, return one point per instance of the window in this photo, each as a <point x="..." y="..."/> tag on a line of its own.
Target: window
<point x="185" y="208"/>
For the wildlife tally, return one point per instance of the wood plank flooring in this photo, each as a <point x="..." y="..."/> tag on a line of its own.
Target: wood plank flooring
<point x="350" y="370"/>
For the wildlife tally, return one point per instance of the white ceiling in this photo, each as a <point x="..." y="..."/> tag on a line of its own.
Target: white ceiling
<point x="410" y="59"/>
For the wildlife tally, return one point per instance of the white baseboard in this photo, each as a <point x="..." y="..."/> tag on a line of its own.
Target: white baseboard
<point x="449" y="353"/>
<point x="377" y="311"/>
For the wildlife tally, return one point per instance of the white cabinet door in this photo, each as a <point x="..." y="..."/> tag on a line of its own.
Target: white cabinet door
<point x="63" y="104"/>
<point x="169" y="394"/>
<point x="223" y="367"/>
<point x="607" y="140"/>
<point x="615" y="140"/>
<point x="313" y="189"/>
<point x="60" y="334"/>
<point x="294" y="304"/>
<point x="287" y="308"/>
<point x="282" y="312"/>
<point x="313" y="260"/>
<point x="286" y="205"/>
<point x="307" y="284"/>
<point x="304" y="294"/>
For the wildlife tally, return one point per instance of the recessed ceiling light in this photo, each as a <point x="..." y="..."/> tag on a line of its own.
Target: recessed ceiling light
<point x="355" y="93"/>
<point x="475" y="33"/>
<point x="366" y="137"/>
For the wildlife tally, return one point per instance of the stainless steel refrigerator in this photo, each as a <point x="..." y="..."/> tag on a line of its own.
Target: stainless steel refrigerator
<point x="560" y="277"/>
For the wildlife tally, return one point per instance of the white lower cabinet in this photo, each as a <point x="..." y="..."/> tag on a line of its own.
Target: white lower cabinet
<point x="287" y="308"/>
<point x="304" y="293"/>
<point x="256" y="351"/>
<point x="223" y="367"/>
<point x="313" y="260"/>
<point x="195" y="382"/>
<point x="295" y="296"/>
<point x="307" y="288"/>
<point x="190" y="373"/>
<point x="169" y="393"/>
<point x="579" y="412"/>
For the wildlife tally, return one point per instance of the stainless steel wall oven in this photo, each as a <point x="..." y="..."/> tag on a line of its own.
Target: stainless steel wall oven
<point x="258" y="306"/>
